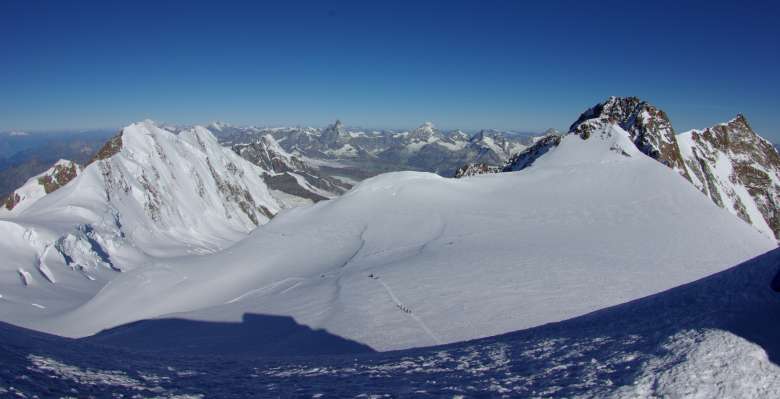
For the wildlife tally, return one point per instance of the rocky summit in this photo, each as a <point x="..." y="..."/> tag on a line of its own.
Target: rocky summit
<point x="738" y="169"/>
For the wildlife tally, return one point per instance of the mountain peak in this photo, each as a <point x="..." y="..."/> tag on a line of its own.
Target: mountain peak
<point x="58" y="175"/>
<point x="747" y="186"/>
<point x="424" y="131"/>
<point x="332" y="133"/>
<point x="649" y="128"/>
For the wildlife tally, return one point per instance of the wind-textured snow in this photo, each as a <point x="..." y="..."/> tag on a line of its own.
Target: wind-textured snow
<point x="413" y="259"/>
<point x="715" y="337"/>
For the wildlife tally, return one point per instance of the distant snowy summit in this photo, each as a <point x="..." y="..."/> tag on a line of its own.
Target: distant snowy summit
<point x="729" y="162"/>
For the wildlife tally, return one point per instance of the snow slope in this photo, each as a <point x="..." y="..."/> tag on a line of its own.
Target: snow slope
<point x="412" y="259"/>
<point x="715" y="337"/>
<point x="148" y="194"/>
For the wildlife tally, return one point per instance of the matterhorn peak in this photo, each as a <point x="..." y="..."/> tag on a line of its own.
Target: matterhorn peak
<point x="424" y="131"/>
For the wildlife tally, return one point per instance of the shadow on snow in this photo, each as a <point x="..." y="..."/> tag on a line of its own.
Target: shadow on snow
<point x="255" y="335"/>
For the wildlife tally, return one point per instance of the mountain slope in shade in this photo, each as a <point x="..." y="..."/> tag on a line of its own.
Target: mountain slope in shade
<point x="293" y="179"/>
<point x="36" y="187"/>
<point x="738" y="170"/>
<point x="413" y="259"/>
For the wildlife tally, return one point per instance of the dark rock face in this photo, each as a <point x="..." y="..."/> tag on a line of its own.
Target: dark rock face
<point x="473" y="169"/>
<point x="62" y="174"/>
<point x="11" y="200"/>
<point x="752" y="166"/>
<point x="650" y="128"/>
<point x="532" y="153"/>
<point x="111" y="147"/>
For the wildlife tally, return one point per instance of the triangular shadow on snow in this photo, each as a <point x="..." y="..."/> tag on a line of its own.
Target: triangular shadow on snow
<point x="255" y="335"/>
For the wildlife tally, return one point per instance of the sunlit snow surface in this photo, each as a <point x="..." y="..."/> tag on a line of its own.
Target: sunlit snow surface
<point x="710" y="338"/>
<point x="412" y="259"/>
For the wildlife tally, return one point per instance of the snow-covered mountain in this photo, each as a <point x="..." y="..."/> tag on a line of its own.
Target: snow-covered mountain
<point x="292" y="180"/>
<point x="650" y="128"/>
<point x="147" y="194"/>
<point x="414" y="259"/>
<point x="60" y="174"/>
<point x="738" y="169"/>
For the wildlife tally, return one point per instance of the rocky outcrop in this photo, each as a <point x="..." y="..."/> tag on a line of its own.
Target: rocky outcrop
<point x="517" y="162"/>
<point x="649" y="127"/>
<point x="474" y="169"/>
<point x="532" y="153"/>
<point x="738" y="170"/>
<point x="112" y="146"/>
<point x="60" y="174"/>
<point x="10" y="201"/>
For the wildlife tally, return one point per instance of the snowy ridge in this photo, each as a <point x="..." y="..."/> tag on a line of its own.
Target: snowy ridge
<point x="60" y="174"/>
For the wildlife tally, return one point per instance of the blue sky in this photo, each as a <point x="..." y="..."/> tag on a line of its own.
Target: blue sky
<point x="500" y="64"/>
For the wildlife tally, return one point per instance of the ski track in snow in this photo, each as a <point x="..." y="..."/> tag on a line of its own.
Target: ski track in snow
<point x="408" y="311"/>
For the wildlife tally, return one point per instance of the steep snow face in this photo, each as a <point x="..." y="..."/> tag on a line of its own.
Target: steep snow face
<point x="147" y="193"/>
<point x="738" y="169"/>
<point x="163" y="187"/>
<point x="649" y="128"/>
<point x="413" y="259"/>
<point x="36" y="187"/>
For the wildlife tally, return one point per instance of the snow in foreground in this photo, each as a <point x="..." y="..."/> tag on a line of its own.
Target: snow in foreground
<point x="715" y="337"/>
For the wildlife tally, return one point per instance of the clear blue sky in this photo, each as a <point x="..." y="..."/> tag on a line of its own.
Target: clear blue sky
<point x="500" y="64"/>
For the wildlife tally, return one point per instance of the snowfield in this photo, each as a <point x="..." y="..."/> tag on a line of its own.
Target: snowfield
<point x="715" y="337"/>
<point x="412" y="259"/>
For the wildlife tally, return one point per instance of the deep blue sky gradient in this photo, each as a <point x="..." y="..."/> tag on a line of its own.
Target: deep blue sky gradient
<point x="502" y="64"/>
